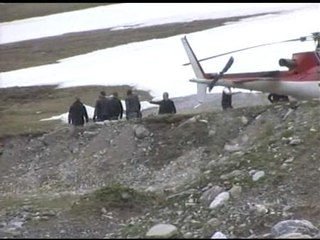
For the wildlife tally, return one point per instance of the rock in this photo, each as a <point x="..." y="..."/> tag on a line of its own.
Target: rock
<point x="210" y="194"/>
<point x="257" y="175"/>
<point x="235" y="191"/>
<point x="218" y="235"/>
<point x="103" y="210"/>
<point x="233" y="174"/>
<point x="213" y="222"/>
<point x="211" y="133"/>
<point x="12" y="231"/>
<point x="287" y="114"/>
<point x="162" y="231"/>
<point x="125" y="196"/>
<point x="214" y="163"/>
<point x="187" y="235"/>
<point x="259" y="209"/>
<point x="89" y="134"/>
<point x="293" y="236"/>
<point x="263" y="236"/>
<point x="232" y="148"/>
<point x="140" y="131"/>
<point x="2" y="224"/>
<point x="16" y="224"/>
<point x="294" y="226"/>
<point x="312" y="130"/>
<point x="238" y="154"/>
<point x="220" y="200"/>
<point x="289" y="160"/>
<point x="295" y="141"/>
<point x="284" y="166"/>
<point x="231" y="228"/>
<point x="151" y="189"/>
<point x="244" y="120"/>
<point x="48" y="214"/>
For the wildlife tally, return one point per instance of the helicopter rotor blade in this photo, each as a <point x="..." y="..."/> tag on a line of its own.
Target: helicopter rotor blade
<point x="218" y="76"/>
<point x="302" y="39"/>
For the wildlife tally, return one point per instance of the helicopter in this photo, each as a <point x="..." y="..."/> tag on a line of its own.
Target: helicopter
<point x="301" y="81"/>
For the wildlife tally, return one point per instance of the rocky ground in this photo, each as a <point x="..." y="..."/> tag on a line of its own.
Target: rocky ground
<point x="246" y="173"/>
<point x="251" y="172"/>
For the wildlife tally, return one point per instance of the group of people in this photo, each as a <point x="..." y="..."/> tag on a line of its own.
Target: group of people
<point x="110" y="108"/>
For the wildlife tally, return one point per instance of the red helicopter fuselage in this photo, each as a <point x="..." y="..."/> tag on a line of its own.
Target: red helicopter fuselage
<point x="301" y="81"/>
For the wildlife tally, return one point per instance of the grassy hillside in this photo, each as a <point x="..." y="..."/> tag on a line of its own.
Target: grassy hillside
<point x="16" y="11"/>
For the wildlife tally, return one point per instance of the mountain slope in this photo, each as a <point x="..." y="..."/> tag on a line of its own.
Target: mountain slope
<point x="166" y="169"/>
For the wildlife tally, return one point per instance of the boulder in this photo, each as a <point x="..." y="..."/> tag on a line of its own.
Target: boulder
<point x="293" y="236"/>
<point x="140" y="131"/>
<point x="210" y="194"/>
<point x="232" y="148"/>
<point x="218" y="235"/>
<point x="294" y="226"/>
<point x="220" y="200"/>
<point x="162" y="231"/>
<point x="235" y="191"/>
<point x="257" y="175"/>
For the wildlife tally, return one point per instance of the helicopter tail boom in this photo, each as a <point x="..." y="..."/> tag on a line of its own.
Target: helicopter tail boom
<point x="201" y="86"/>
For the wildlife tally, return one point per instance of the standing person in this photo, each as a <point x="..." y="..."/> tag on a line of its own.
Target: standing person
<point x="77" y="113"/>
<point x="166" y="105"/>
<point x="116" y="109"/>
<point x="101" y="110"/>
<point x="226" y="99"/>
<point x="133" y="106"/>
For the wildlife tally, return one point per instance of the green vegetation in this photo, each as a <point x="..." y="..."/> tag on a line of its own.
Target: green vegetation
<point x="168" y="119"/>
<point x="113" y="197"/>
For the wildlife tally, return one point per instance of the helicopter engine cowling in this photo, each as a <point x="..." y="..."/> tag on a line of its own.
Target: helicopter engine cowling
<point x="289" y="63"/>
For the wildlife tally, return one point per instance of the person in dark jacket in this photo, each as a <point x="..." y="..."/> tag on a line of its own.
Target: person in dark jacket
<point x="77" y="113"/>
<point x="133" y="106"/>
<point x="166" y="106"/>
<point x="274" y="98"/>
<point x="115" y="107"/>
<point x="101" y="110"/>
<point x="226" y="99"/>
